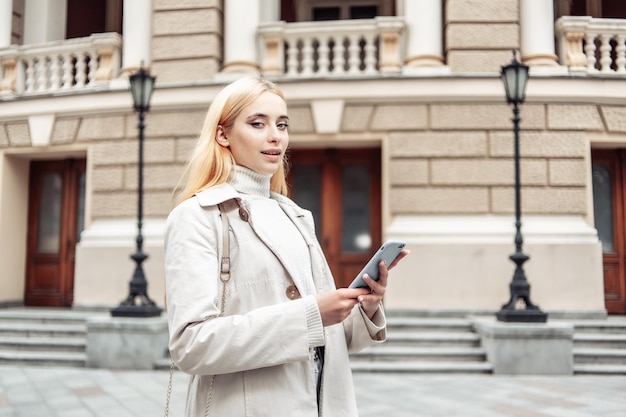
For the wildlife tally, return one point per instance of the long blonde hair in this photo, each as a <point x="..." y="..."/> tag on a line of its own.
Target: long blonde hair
<point x="211" y="164"/>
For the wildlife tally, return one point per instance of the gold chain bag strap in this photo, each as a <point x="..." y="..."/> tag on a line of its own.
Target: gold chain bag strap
<point x="224" y="277"/>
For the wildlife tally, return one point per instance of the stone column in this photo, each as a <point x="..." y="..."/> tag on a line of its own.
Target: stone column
<point x="241" y="19"/>
<point x="44" y="20"/>
<point x="6" y="12"/>
<point x="424" y="33"/>
<point x="137" y="27"/>
<point x="537" y="33"/>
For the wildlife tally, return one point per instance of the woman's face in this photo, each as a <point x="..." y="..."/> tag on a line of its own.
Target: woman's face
<point x="258" y="138"/>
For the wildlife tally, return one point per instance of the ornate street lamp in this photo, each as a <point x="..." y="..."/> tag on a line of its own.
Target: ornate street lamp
<point x="138" y="304"/>
<point x="519" y="308"/>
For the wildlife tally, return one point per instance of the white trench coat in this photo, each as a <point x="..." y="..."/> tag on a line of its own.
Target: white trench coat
<point x="257" y="359"/>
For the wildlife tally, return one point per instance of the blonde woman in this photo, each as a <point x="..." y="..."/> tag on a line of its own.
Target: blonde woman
<point x="271" y="335"/>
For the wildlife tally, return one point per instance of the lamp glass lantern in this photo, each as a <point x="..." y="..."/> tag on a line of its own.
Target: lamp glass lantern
<point x="141" y="87"/>
<point x="514" y="77"/>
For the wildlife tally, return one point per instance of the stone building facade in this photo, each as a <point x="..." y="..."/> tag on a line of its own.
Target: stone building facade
<point x="419" y="89"/>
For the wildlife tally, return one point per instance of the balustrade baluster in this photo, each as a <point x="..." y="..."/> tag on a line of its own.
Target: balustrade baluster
<point x="605" y="53"/>
<point x="292" y="57"/>
<point x="620" y="53"/>
<point x="307" y="56"/>
<point x="68" y="69"/>
<point x="41" y="69"/>
<point x="93" y="67"/>
<point x="55" y="78"/>
<point x="370" y="54"/>
<point x="354" y="61"/>
<point x="30" y="75"/>
<point x="590" y="51"/>
<point x="323" y="52"/>
<point x="338" y="56"/>
<point x="81" y="76"/>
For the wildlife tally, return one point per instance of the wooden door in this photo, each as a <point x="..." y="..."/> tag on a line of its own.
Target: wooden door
<point x="609" y="198"/>
<point x="342" y="189"/>
<point x="55" y="220"/>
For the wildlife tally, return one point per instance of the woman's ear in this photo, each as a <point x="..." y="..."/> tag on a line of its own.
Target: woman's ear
<point x="220" y="136"/>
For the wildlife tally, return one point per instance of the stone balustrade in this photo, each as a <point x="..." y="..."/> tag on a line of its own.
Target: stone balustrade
<point x="57" y="66"/>
<point x="592" y="45"/>
<point x="341" y="48"/>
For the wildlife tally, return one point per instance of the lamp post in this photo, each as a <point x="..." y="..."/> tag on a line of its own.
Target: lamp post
<point x="138" y="304"/>
<point x="519" y="308"/>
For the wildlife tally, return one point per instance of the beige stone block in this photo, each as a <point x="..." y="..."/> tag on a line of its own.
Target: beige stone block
<point x="4" y="137"/>
<point x="539" y="144"/>
<point x="439" y="200"/>
<point x="356" y="118"/>
<point x="482" y="36"/>
<point x="178" y="22"/>
<point x="159" y="150"/>
<point x="483" y="116"/>
<point x="186" y="46"/>
<point x="168" y="124"/>
<point x="574" y="117"/>
<point x="155" y="177"/>
<point x="542" y="200"/>
<point x="478" y="61"/>
<point x="399" y="117"/>
<point x="482" y="11"/>
<point x="111" y="204"/>
<point x="158" y="203"/>
<point x="115" y="153"/>
<point x="615" y="118"/>
<point x="487" y="172"/>
<point x="184" y="148"/>
<point x="65" y="130"/>
<point x="186" y="4"/>
<point x="408" y="172"/>
<point x="568" y="172"/>
<point x="187" y="70"/>
<point x="300" y="119"/>
<point x="433" y="144"/>
<point x="19" y="134"/>
<point x="107" y="178"/>
<point x="101" y="127"/>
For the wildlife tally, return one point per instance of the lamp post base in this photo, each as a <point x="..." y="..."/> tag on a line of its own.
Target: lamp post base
<point x="136" y="311"/>
<point x="145" y="307"/>
<point x="522" y="316"/>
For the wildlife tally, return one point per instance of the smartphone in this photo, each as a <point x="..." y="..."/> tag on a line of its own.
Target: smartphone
<point x="387" y="252"/>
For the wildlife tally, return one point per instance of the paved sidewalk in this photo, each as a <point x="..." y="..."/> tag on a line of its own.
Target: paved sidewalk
<point x="78" y="392"/>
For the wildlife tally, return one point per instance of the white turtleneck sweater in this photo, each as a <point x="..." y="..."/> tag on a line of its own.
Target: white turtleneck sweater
<point x="254" y="188"/>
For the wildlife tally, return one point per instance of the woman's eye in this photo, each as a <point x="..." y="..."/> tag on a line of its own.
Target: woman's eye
<point x="256" y="124"/>
<point x="283" y="126"/>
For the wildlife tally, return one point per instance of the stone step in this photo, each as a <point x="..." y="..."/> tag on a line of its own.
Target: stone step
<point x="599" y="369"/>
<point x="599" y="356"/>
<point x="429" y="324"/>
<point x="431" y="338"/>
<point x="599" y="340"/>
<point x="612" y="325"/>
<point x="35" y="329"/>
<point x="63" y="344"/>
<point x="74" y="359"/>
<point x="405" y="353"/>
<point x="423" y="367"/>
<point x="47" y="315"/>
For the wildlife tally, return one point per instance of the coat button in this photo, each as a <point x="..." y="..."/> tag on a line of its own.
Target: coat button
<point x="292" y="292"/>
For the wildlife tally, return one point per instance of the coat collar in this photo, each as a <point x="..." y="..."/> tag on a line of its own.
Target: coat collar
<point x="302" y="219"/>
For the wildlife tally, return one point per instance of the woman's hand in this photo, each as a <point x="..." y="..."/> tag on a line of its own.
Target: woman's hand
<point x="335" y="306"/>
<point x="370" y="302"/>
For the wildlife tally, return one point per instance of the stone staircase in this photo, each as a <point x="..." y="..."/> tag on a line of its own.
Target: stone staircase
<point x="425" y="345"/>
<point x="600" y="346"/>
<point x="43" y="336"/>
<point x="416" y="344"/>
